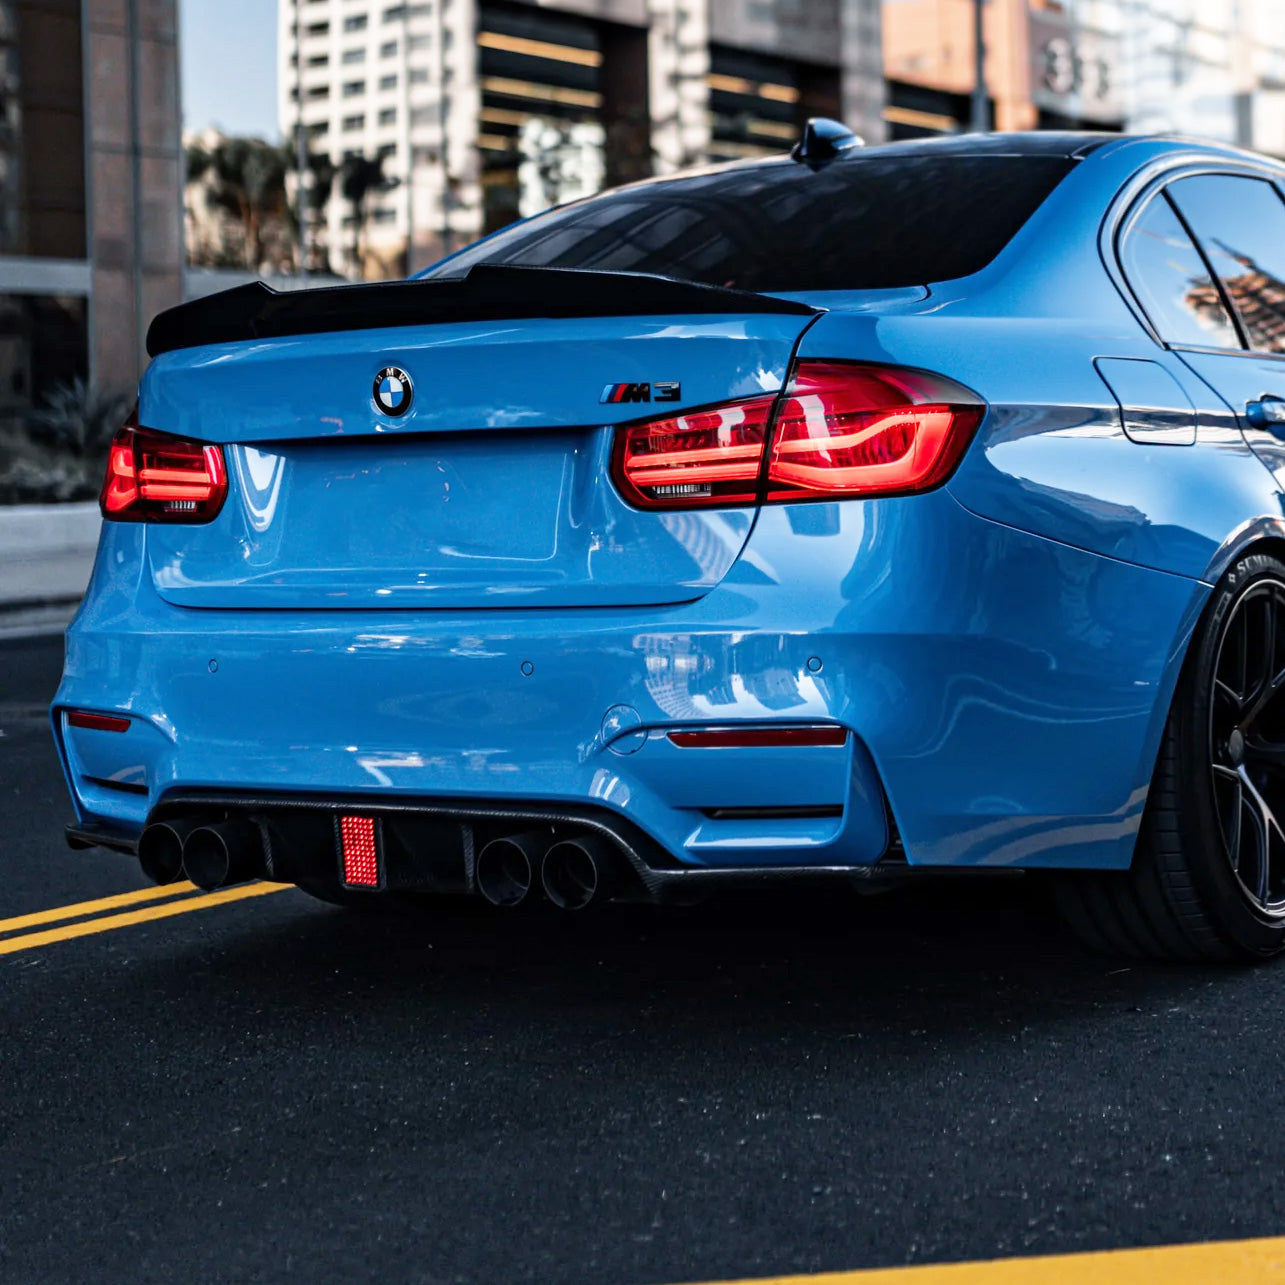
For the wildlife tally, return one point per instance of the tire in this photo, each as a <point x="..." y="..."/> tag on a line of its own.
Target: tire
<point x="1207" y="882"/>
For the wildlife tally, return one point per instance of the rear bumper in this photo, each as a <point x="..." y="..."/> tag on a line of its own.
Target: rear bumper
<point x="1004" y="692"/>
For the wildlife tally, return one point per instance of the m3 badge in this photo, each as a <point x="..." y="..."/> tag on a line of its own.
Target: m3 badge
<point x="662" y="392"/>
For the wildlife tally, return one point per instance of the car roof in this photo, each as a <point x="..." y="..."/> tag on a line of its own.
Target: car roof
<point x="1071" y="144"/>
<point x="1067" y="144"/>
<point x="1050" y="142"/>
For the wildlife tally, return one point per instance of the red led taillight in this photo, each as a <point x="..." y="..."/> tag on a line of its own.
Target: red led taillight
<point x="153" y="477"/>
<point x="840" y="430"/>
<point x="707" y="457"/>
<point x="849" y="430"/>
<point x="96" y="722"/>
<point x="361" y="853"/>
<point x="715" y="738"/>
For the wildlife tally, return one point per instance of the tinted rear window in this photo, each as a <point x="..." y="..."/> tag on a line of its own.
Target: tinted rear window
<point x="859" y="224"/>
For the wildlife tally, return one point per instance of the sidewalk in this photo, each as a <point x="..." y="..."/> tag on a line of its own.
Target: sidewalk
<point x="46" y="553"/>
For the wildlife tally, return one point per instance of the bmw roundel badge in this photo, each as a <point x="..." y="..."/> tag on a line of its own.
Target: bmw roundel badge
<point x="394" y="391"/>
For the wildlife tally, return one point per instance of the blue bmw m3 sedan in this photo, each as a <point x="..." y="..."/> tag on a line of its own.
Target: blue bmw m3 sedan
<point x="844" y="516"/>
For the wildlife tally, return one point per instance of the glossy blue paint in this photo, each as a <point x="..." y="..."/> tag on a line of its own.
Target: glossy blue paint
<point x="1003" y="650"/>
<point x="493" y="490"/>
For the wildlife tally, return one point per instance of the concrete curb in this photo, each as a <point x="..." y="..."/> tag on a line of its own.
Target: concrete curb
<point x="27" y="530"/>
<point x="46" y="552"/>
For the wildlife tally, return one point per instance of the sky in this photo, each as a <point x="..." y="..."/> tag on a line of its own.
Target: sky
<point x="229" y="65"/>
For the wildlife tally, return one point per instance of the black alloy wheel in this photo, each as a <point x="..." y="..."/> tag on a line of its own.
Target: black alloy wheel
<point x="1247" y="743"/>
<point x="1208" y="875"/>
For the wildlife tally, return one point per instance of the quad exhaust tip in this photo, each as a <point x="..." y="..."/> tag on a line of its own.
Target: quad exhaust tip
<point x="577" y="873"/>
<point x="160" y="850"/>
<point x="215" y="856"/>
<point x="505" y="871"/>
<point x="573" y="873"/>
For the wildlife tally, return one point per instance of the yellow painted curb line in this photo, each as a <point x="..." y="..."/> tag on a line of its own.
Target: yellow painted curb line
<point x="1225" y="1262"/>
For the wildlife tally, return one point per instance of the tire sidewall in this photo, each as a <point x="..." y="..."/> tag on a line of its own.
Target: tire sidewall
<point x="1245" y="925"/>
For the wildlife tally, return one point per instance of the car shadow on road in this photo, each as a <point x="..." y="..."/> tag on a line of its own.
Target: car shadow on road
<point x="949" y="963"/>
<point x="768" y="1083"/>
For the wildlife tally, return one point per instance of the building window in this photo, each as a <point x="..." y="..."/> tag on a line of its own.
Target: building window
<point x="42" y="345"/>
<point x="382" y="215"/>
<point x="319" y="60"/>
<point x="388" y="49"/>
<point x="352" y="123"/>
<point x="388" y="82"/>
<point x="387" y="151"/>
<point x="318" y="92"/>
<point x="318" y="29"/>
<point x="352" y="56"/>
<point x="755" y="101"/>
<point x="357" y="22"/>
<point x="319" y="129"/>
<point x="417" y="44"/>
<point x="388" y="116"/>
<point x="354" y="88"/>
<point x="419" y="75"/>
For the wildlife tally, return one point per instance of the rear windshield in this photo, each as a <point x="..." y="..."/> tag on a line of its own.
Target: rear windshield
<point x="859" y="224"/>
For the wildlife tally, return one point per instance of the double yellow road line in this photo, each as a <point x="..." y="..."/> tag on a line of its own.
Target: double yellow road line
<point x="1210" y="1263"/>
<point x="27" y="932"/>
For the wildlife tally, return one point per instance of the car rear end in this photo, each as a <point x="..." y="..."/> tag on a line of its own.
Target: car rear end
<point x="569" y="570"/>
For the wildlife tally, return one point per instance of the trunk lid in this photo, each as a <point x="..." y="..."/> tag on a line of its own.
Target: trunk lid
<point x="492" y="490"/>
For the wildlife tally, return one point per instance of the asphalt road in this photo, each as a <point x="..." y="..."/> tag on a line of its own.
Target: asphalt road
<point x="275" y="1088"/>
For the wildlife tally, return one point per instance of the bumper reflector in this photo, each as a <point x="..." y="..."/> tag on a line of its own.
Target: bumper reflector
<point x="361" y="855"/>
<point x="759" y="737"/>
<point x="96" y="722"/>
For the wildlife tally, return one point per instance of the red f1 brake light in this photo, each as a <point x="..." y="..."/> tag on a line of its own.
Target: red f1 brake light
<point x="154" y="477"/>
<point x="841" y="430"/>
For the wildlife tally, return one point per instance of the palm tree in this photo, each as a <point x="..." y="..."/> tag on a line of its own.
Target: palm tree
<point x="248" y="182"/>
<point x="359" y="176"/>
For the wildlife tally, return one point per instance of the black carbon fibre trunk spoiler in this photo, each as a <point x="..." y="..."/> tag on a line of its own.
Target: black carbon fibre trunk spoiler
<point x="487" y="293"/>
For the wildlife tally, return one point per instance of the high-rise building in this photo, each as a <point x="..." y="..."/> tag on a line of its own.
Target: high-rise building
<point x="482" y="111"/>
<point x="90" y="190"/>
<point x="1210" y="67"/>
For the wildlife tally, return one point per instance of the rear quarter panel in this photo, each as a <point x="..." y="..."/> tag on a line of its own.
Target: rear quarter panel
<point x="1052" y="456"/>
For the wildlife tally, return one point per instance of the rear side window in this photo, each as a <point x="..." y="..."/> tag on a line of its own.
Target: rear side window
<point x="1172" y="281"/>
<point x="859" y="223"/>
<point x="1240" y="224"/>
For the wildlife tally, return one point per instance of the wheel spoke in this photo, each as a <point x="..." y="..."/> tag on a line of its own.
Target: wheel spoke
<point x="1268" y="823"/>
<point x="1242" y="673"/>
<point x="1246" y="728"/>
<point x="1266" y="753"/>
<point x="1260" y="855"/>
<point x="1228" y="693"/>
<point x="1263" y="693"/>
<point x="1237" y="827"/>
